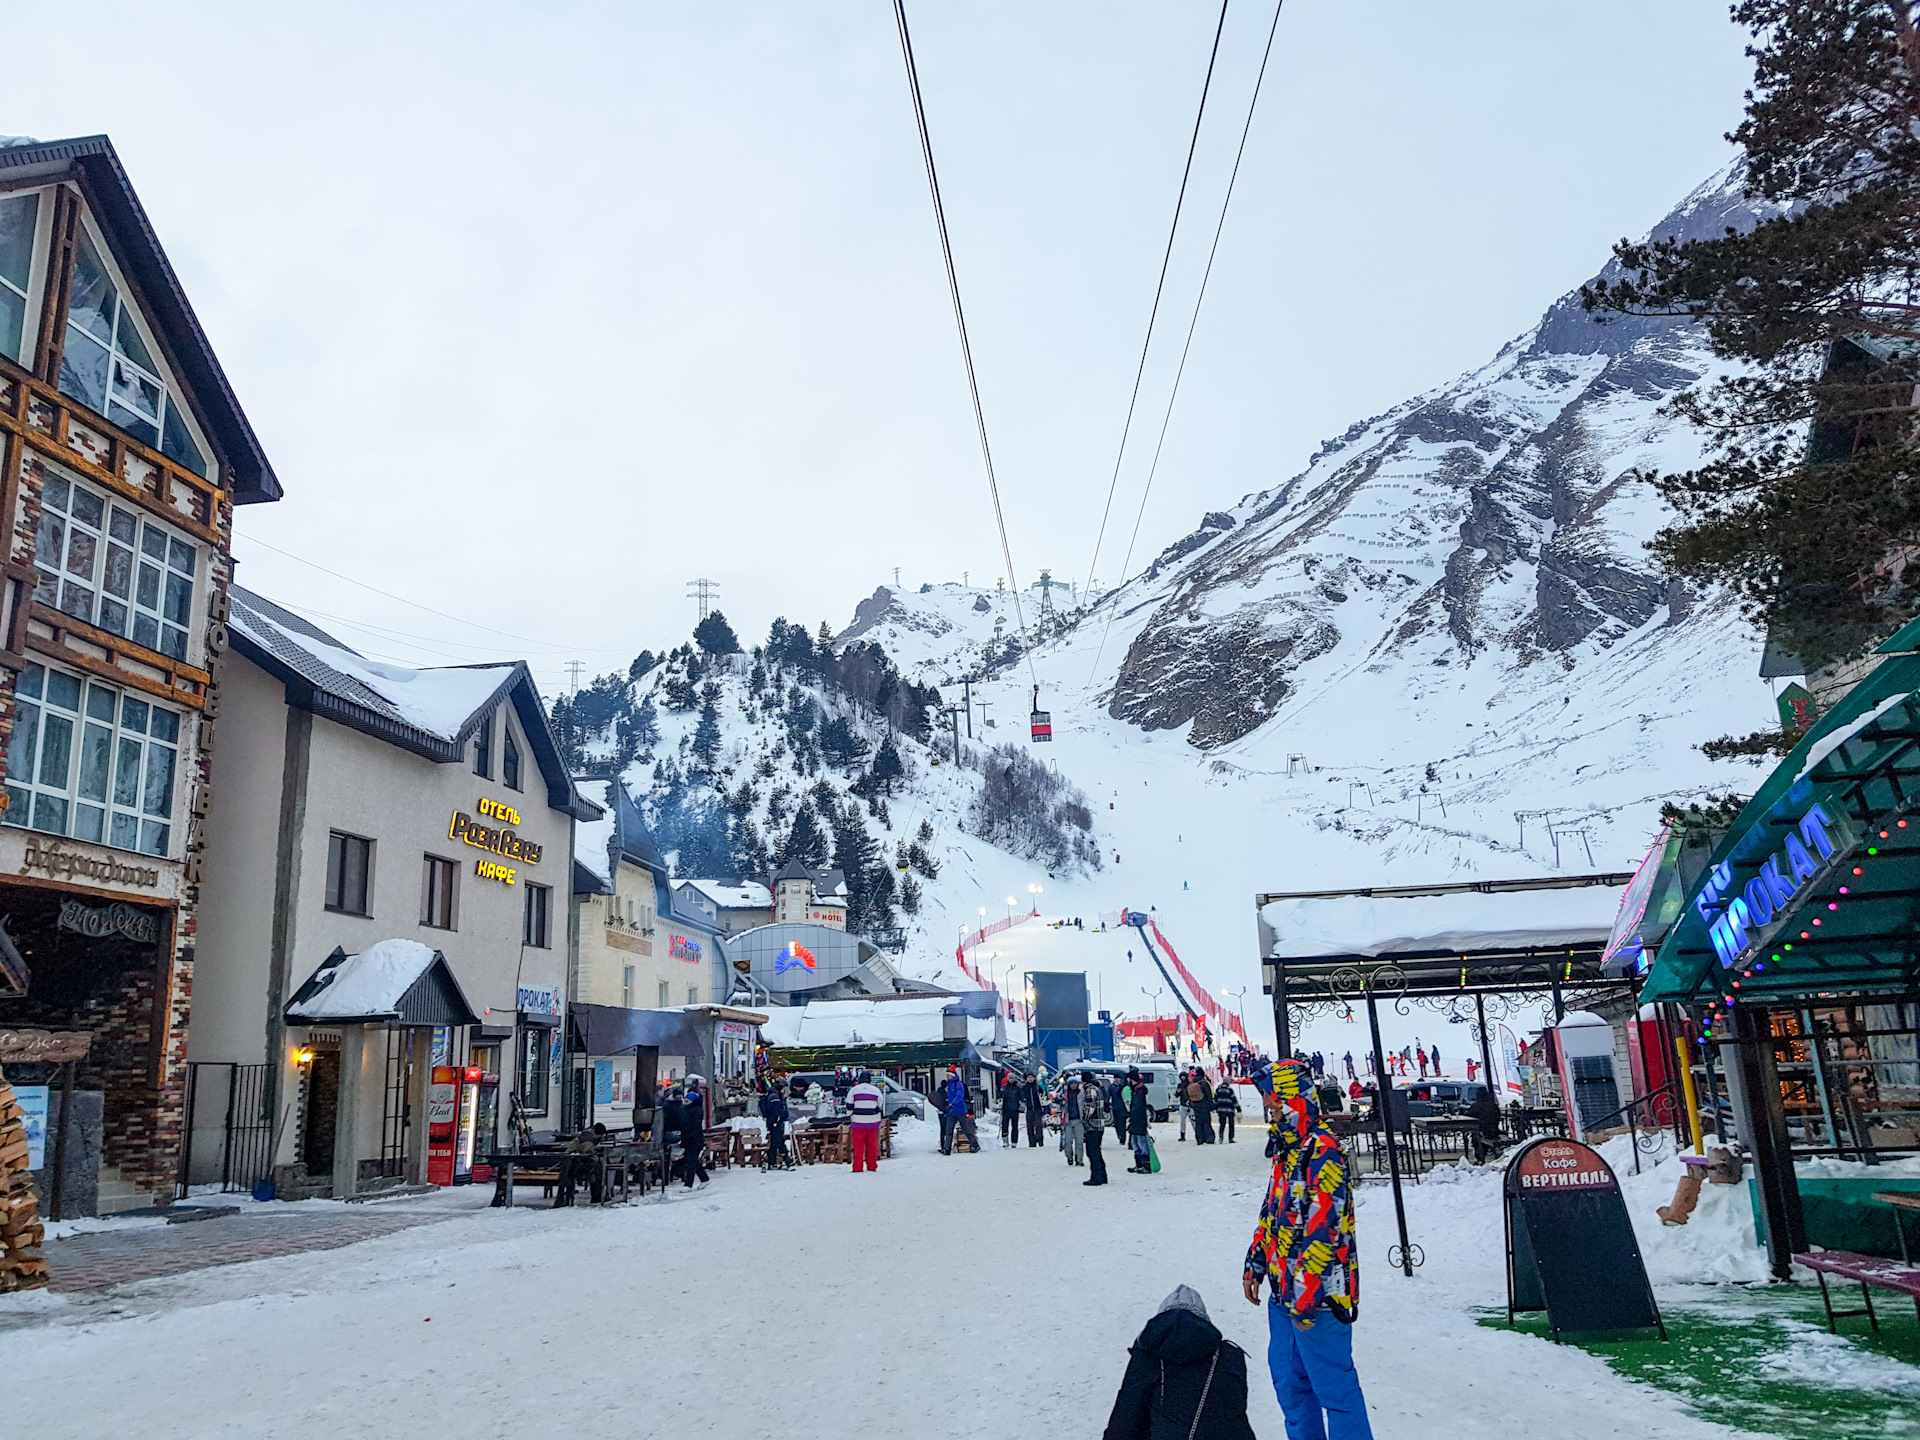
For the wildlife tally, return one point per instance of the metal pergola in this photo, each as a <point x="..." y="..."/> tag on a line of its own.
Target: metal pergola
<point x="1441" y="977"/>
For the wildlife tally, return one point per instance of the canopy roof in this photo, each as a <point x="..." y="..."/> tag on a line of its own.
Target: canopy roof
<point x="1487" y="936"/>
<point x="1792" y="916"/>
<point x="400" y="982"/>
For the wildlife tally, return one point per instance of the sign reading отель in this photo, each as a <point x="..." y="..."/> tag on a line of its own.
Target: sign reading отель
<point x="502" y="840"/>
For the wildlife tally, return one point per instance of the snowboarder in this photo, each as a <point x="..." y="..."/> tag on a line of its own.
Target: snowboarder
<point x="1303" y="1250"/>
<point x="865" y="1115"/>
<point x="1093" y="1123"/>
<point x="1183" y="1379"/>
<point x="1226" y="1105"/>
<point x="1139" y="1118"/>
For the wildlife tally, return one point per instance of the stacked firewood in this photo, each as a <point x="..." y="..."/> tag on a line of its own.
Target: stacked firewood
<point x="22" y="1265"/>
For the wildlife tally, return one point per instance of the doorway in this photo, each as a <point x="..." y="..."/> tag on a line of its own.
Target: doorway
<point x="321" y="1120"/>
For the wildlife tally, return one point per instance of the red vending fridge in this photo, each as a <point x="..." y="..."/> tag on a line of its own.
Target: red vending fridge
<point x="463" y="1108"/>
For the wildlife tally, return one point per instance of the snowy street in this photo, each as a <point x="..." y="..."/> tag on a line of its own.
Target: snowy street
<point x="987" y="1295"/>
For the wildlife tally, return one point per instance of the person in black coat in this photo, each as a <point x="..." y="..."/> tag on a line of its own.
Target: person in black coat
<point x="1119" y="1113"/>
<point x="773" y="1110"/>
<point x="1030" y="1095"/>
<point x="1184" y="1380"/>
<point x="1139" y="1118"/>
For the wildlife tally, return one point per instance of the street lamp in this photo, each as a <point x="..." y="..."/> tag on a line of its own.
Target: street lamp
<point x="1154" y="995"/>
<point x="1009" y="907"/>
<point x="1035" y="892"/>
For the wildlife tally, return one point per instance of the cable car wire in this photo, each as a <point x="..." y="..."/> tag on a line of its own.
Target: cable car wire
<point x="1192" y="325"/>
<point x="1159" y="288"/>
<point x="960" y="319"/>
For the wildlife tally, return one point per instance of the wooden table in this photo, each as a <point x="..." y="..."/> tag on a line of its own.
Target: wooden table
<point x="1432" y="1127"/>
<point x="1900" y="1200"/>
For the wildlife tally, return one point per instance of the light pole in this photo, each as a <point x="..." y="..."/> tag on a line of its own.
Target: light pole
<point x="1154" y="995"/>
<point x="1009" y="907"/>
<point x="1035" y="891"/>
<point x="1239" y="998"/>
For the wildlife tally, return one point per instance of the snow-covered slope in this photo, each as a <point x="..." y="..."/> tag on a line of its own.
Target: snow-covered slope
<point x="1439" y="652"/>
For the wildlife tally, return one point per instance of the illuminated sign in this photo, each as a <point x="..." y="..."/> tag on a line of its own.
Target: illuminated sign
<point x="494" y="810"/>
<point x="500" y="841"/>
<point x="681" y="948"/>
<point x="494" y="870"/>
<point x="794" y="957"/>
<point x="1740" y="922"/>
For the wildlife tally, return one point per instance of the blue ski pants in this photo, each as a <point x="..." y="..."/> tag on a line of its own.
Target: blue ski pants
<point x="1312" y="1364"/>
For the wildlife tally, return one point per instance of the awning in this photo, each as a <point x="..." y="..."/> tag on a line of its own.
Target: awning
<point x="1814" y="888"/>
<point x="394" y="982"/>
<point x="832" y="1057"/>
<point x="609" y="1030"/>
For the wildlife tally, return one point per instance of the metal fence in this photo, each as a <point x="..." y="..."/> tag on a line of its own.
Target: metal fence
<point x="227" y="1136"/>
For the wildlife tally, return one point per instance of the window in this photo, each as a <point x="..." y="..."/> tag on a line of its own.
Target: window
<point x="102" y="773"/>
<point x="510" y="765"/>
<point x="538" y="918"/>
<point x="107" y="366"/>
<point x="693" y="994"/>
<point x="626" y="988"/>
<point x="349" y="861"/>
<point x="91" y="567"/>
<point x="664" y="993"/>
<point x="530" y="1074"/>
<point x="436" y="901"/>
<point x="19" y="215"/>
<point x="483" y="748"/>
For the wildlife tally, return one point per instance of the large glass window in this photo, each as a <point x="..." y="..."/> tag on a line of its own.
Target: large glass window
<point x="107" y="366"/>
<point x="19" y="215"/>
<point x="436" y="894"/>
<point x="349" y="862"/>
<point x="113" y="568"/>
<point x="510" y="764"/>
<point x="537" y="928"/>
<point x="92" y="762"/>
<point x="530" y="1068"/>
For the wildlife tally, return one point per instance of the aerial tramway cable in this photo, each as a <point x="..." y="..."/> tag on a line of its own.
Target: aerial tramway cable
<point x="1187" y="348"/>
<point x="1159" y="288"/>
<point x="960" y="319"/>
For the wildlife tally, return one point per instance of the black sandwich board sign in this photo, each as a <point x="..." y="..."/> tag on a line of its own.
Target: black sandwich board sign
<point x="1570" y="1245"/>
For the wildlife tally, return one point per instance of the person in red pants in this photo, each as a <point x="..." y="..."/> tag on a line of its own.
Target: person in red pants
<point x="865" y="1111"/>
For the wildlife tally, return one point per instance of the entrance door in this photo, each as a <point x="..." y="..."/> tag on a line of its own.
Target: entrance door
<point x="323" y="1113"/>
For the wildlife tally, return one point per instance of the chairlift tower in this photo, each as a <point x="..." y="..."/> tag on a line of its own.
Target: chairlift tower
<point x="1046" y="583"/>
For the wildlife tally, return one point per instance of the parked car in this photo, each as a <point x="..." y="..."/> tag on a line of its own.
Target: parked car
<point x="1160" y="1076"/>
<point x="1440" y="1097"/>
<point x="897" y="1100"/>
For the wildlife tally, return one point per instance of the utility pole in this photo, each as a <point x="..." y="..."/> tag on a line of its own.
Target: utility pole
<point x="703" y="591"/>
<point x="574" y="667"/>
<point x="966" y="689"/>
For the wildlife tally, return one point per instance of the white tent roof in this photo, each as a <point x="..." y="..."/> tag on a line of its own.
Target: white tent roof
<point x="1463" y="921"/>
<point x="865" y="1022"/>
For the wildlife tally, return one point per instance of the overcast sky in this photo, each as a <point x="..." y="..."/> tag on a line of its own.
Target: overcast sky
<point x="543" y="310"/>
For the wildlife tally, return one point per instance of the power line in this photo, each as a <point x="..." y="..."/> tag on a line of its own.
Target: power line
<point x="457" y="619"/>
<point x="703" y="591"/>
<point x="1153" y="315"/>
<point x="960" y="319"/>
<point x="1192" y="325"/>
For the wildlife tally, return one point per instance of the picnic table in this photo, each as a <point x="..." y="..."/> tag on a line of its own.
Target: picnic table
<point x="1432" y="1129"/>
<point x="610" y="1162"/>
<point x="1864" y="1271"/>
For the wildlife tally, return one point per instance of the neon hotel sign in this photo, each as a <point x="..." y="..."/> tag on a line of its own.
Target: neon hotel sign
<point x="1739" y="922"/>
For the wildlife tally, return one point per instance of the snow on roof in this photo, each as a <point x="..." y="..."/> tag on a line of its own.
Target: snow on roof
<point x="370" y="983"/>
<point x="437" y="702"/>
<point x="590" y="841"/>
<point x="1464" y="921"/>
<point x="864" y="1022"/>
<point x="734" y="894"/>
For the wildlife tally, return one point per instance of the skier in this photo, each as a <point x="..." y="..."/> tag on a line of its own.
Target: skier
<point x="1226" y="1105"/>
<point x="1036" y="1124"/>
<point x="1349" y="1058"/>
<point x="773" y="1110"/>
<point x="1139" y="1118"/>
<point x="1183" y="1379"/>
<point x="1303" y="1251"/>
<point x="1093" y="1122"/>
<point x="1072" y="1137"/>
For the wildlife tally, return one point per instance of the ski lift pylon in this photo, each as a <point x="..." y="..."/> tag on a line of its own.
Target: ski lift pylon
<point x="1042" y="721"/>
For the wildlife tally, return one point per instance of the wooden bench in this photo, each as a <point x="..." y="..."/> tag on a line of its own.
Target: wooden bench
<point x="1865" y="1271"/>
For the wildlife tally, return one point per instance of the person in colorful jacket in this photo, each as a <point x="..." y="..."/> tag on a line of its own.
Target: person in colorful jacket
<point x="1303" y="1251"/>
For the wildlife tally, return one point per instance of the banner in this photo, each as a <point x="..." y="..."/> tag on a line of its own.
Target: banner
<point x="1509" y="1064"/>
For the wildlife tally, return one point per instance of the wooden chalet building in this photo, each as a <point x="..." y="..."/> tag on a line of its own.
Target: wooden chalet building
<point x="122" y="454"/>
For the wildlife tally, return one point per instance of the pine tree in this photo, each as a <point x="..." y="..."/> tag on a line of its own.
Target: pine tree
<point x="646" y="724"/>
<point x="716" y="637"/>
<point x="804" y="841"/>
<point x="838" y="742"/>
<point x="1807" y="504"/>
<point x="887" y="765"/>
<point x="823" y="646"/>
<point x="642" y="664"/>
<point x="706" y="735"/>
<point x="869" y="881"/>
<point x="910" y="895"/>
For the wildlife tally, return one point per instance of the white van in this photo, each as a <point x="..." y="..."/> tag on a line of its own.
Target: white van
<point x="1161" y="1076"/>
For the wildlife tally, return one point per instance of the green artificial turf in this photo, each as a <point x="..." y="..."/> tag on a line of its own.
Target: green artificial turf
<point x="1759" y="1358"/>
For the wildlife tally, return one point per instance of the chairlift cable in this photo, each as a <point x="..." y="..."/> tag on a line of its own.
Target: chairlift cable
<point x="1192" y="325"/>
<point x="960" y="319"/>
<point x="1158" y="290"/>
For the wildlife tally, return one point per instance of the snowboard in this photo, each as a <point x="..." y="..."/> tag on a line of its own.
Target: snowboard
<point x="1153" y="1156"/>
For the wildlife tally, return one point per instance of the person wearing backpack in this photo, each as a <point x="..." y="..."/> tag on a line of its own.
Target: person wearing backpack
<point x="1184" y="1380"/>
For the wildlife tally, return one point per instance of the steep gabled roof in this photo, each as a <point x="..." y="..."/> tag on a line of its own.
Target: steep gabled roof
<point x="432" y="712"/>
<point x="393" y="981"/>
<point x="91" y="163"/>
<point x="795" y="869"/>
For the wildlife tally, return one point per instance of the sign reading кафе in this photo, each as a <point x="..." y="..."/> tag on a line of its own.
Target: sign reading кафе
<point x="1571" y="1250"/>
<point x="501" y="840"/>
